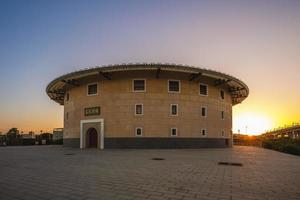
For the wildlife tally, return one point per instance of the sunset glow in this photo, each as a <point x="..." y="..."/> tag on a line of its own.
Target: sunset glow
<point x="252" y="123"/>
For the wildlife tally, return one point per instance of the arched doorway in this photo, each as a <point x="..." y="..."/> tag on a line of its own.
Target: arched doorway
<point x="87" y="124"/>
<point x="91" y="138"/>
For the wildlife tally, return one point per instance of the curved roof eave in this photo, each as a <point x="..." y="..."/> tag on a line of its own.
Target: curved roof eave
<point x="55" y="87"/>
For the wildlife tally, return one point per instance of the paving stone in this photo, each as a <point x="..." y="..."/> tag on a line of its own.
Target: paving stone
<point x="45" y="172"/>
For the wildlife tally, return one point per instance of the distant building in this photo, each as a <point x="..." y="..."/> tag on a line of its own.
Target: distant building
<point x="44" y="138"/>
<point x="30" y="135"/>
<point x="57" y="134"/>
<point x="147" y="106"/>
<point x="28" y="139"/>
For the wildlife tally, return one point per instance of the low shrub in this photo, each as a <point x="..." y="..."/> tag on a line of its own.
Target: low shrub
<point x="291" y="149"/>
<point x="285" y="145"/>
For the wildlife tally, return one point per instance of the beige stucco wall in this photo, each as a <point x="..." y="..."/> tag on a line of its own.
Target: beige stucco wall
<point x="117" y="102"/>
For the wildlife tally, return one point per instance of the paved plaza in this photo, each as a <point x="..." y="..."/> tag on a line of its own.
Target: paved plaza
<point x="55" y="172"/>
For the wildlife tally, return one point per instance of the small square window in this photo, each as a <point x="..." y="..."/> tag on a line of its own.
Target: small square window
<point x="203" y="132"/>
<point x="138" y="131"/>
<point x="174" y="86"/>
<point x="139" y="109"/>
<point x="92" y="89"/>
<point x="203" y="90"/>
<point x="174" y="110"/>
<point x="173" y="131"/>
<point x="203" y="112"/>
<point x="139" y="85"/>
<point x="222" y="94"/>
<point x="222" y="115"/>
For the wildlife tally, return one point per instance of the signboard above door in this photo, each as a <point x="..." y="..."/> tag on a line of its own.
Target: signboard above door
<point x="92" y="111"/>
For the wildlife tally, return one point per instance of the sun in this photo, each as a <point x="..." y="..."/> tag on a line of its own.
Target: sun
<point x="252" y="123"/>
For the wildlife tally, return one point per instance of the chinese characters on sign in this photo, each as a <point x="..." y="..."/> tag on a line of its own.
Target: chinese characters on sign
<point x="92" y="111"/>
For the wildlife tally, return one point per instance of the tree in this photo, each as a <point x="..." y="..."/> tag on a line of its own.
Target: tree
<point x="13" y="136"/>
<point x="13" y="132"/>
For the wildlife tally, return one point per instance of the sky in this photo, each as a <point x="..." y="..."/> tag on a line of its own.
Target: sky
<point x="257" y="41"/>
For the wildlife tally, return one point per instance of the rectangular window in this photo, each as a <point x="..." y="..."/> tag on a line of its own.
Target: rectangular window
<point x="173" y="131"/>
<point x="173" y="86"/>
<point x="222" y="115"/>
<point x="139" y="85"/>
<point x="92" y="89"/>
<point x="203" y="132"/>
<point x="203" y="89"/>
<point x="67" y="115"/>
<point x="223" y="133"/>
<point x="138" y="131"/>
<point x="67" y="97"/>
<point x="174" y="109"/>
<point x="139" y="109"/>
<point x="203" y="111"/>
<point x="222" y="94"/>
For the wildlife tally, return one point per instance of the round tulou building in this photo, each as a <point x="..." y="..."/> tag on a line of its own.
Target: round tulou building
<point x="147" y="106"/>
